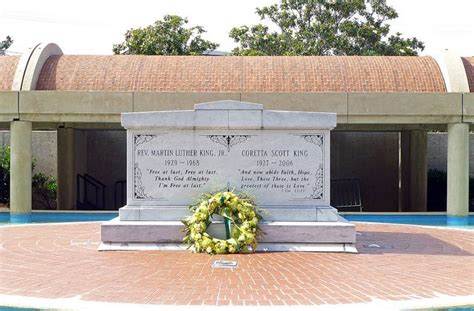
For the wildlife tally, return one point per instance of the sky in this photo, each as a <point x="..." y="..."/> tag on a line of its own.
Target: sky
<point x="93" y="26"/>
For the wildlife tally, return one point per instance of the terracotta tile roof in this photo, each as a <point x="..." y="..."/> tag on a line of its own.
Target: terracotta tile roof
<point x="241" y="74"/>
<point x="469" y="66"/>
<point x="7" y="71"/>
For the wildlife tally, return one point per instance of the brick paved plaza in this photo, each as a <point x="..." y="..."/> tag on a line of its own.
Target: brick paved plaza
<point x="62" y="261"/>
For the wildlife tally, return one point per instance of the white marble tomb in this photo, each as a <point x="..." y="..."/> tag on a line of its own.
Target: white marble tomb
<point x="279" y="157"/>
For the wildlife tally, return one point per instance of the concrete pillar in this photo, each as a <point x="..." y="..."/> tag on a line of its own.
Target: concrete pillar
<point x="413" y="171"/>
<point x="418" y="170"/>
<point x="458" y="173"/>
<point x="404" y="172"/>
<point x="66" y="178"/>
<point x="20" y="172"/>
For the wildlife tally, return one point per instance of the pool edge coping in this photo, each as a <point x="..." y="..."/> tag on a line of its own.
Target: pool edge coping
<point x="76" y="303"/>
<point x="353" y="221"/>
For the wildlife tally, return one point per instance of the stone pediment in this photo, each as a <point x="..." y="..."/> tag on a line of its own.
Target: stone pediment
<point x="229" y="114"/>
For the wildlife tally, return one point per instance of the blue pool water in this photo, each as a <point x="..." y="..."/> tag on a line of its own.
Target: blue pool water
<point x="426" y="220"/>
<point x="57" y="217"/>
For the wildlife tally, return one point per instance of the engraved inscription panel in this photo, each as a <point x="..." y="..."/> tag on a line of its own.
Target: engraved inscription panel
<point x="280" y="168"/>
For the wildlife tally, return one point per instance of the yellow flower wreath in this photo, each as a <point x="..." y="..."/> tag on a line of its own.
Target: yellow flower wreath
<point x="238" y="209"/>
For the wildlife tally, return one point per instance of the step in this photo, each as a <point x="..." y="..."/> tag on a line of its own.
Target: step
<point x="116" y="231"/>
<point x="262" y="247"/>
<point x="273" y="213"/>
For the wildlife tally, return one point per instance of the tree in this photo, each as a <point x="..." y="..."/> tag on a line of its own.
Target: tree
<point x="5" y="44"/>
<point x="165" y="37"/>
<point x="324" y="27"/>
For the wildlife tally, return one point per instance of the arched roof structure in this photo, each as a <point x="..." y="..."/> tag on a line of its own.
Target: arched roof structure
<point x="469" y="67"/>
<point x="231" y="74"/>
<point x="241" y="74"/>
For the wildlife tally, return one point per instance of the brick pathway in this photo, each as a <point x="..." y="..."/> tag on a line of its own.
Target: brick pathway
<point x="61" y="261"/>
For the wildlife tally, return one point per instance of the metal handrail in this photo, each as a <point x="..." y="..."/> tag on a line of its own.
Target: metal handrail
<point x="345" y="193"/>
<point x="88" y="181"/>
<point x="87" y="176"/>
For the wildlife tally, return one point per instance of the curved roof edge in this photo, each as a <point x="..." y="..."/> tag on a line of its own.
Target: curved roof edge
<point x="230" y="74"/>
<point x="276" y="74"/>
<point x="468" y="63"/>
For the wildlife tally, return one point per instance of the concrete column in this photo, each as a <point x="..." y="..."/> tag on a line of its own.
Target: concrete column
<point x="418" y="170"/>
<point x="404" y="172"/>
<point x="413" y="171"/>
<point x="66" y="178"/>
<point x="20" y="172"/>
<point x="458" y="173"/>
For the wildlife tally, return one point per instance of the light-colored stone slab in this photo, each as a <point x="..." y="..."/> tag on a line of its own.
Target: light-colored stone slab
<point x="142" y="232"/>
<point x="245" y="119"/>
<point x="298" y="120"/>
<point x="321" y="102"/>
<point x="308" y="232"/>
<point x="280" y="168"/>
<point x="215" y="116"/>
<point x="216" y="119"/>
<point x="163" y="213"/>
<point x="228" y="105"/>
<point x="262" y="247"/>
<point x="129" y="213"/>
<point x="275" y="232"/>
<point x="291" y="213"/>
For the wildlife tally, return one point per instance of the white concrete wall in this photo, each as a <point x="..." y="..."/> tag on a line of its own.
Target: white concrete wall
<point x="43" y="149"/>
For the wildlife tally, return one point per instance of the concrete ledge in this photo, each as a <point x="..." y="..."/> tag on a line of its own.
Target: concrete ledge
<point x="176" y="213"/>
<point x="262" y="247"/>
<point x="228" y="105"/>
<point x="230" y="114"/>
<point x="308" y="232"/>
<point x="298" y="120"/>
<point x="8" y="106"/>
<point x="468" y="107"/>
<point x="116" y="231"/>
<point x="401" y="109"/>
<point x="404" y="107"/>
<point x="52" y="106"/>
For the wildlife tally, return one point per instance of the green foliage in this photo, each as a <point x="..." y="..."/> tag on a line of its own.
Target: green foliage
<point x="321" y="27"/>
<point x="5" y="158"/>
<point x="44" y="187"/>
<point x="238" y="209"/>
<point x="4" y="174"/>
<point x="165" y="37"/>
<point x="5" y="44"/>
